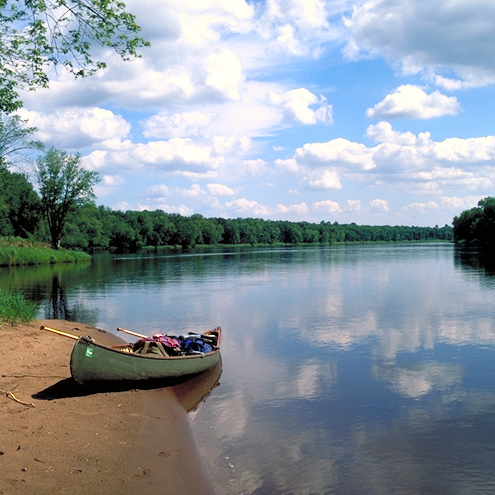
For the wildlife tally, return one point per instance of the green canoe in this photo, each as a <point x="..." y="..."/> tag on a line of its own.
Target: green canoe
<point x="92" y="363"/>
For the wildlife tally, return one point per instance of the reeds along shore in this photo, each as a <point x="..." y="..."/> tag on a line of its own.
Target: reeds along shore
<point x="15" y="251"/>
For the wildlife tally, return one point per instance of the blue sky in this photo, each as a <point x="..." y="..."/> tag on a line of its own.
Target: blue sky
<point x="374" y="112"/>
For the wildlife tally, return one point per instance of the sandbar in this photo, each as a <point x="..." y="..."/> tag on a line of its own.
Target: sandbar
<point x="60" y="437"/>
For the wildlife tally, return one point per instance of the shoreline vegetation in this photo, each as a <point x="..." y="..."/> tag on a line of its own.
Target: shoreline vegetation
<point x="15" y="251"/>
<point x="18" y="251"/>
<point x="15" y="308"/>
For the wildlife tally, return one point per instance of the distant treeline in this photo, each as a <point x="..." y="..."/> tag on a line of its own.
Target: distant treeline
<point x="477" y="225"/>
<point x="92" y="227"/>
<point x="102" y="228"/>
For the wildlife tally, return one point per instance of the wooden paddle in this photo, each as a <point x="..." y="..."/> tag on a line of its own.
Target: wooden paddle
<point x="132" y="333"/>
<point x="75" y="337"/>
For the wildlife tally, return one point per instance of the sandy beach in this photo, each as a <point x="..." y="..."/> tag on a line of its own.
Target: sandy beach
<point x="59" y="437"/>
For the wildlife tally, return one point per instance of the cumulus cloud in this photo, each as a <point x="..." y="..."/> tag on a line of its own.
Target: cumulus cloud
<point x="224" y="73"/>
<point x="254" y="167"/>
<point x="112" y="180"/>
<point x="426" y="165"/>
<point x="328" y="206"/>
<point x="230" y="145"/>
<point x="175" y="155"/>
<point x="186" y="124"/>
<point x="77" y="127"/>
<point x="295" y="106"/>
<point x="411" y="102"/>
<point x="299" y="209"/>
<point x="336" y="152"/>
<point x="248" y="207"/>
<point x="326" y="179"/>
<point x="379" y="204"/>
<point x="289" y="165"/>
<point x="384" y="133"/>
<point x="420" y="35"/>
<point x="219" y="190"/>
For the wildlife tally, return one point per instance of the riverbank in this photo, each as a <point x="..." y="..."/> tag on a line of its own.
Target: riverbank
<point x="15" y="251"/>
<point x="59" y="437"/>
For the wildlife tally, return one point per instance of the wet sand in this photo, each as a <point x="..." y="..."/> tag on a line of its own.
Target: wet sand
<point x="63" y="438"/>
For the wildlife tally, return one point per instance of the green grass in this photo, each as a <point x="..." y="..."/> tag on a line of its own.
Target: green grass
<point x="15" y="309"/>
<point x="16" y="251"/>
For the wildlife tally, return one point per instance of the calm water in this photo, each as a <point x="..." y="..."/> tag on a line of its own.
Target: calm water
<point x="365" y="369"/>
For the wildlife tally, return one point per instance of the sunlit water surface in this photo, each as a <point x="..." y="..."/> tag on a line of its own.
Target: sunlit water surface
<point x="366" y="369"/>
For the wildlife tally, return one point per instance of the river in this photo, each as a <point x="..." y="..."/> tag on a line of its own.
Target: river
<point x="350" y="369"/>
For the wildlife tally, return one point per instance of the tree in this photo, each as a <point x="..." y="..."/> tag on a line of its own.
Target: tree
<point x="13" y="137"/>
<point x="37" y="34"/>
<point x="63" y="186"/>
<point x="19" y="205"/>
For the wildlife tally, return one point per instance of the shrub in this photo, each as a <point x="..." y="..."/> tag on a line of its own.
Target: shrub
<point x="15" y="309"/>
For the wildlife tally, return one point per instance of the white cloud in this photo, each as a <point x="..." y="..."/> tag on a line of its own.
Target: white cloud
<point x="422" y="207"/>
<point x="411" y="102"/>
<point x="77" y="127"/>
<point x="112" y="180"/>
<point x="233" y="145"/>
<point x="289" y="165"/>
<point x="186" y="124"/>
<point x="459" y="204"/>
<point x="336" y="152"/>
<point x="175" y="155"/>
<point x="248" y="207"/>
<point x="224" y="73"/>
<point x="328" y="206"/>
<point x="307" y="13"/>
<point x="122" y="206"/>
<point x="399" y="158"/>
<point x="383" y="133"/>
<point x="458" y="35"/>
<point x="157" y="191"/>
<point x="299" y="209"/>
<point x="379" y="204"/>
<point x="295" y="106"/>
<point x="255" y="167"/>
<point x="194" y="191"/>
<point x="326" y="179"/>
<point x="219" y="190"/>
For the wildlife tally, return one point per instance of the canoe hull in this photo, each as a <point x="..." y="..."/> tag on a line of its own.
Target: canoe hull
<point x="92" y="363"/>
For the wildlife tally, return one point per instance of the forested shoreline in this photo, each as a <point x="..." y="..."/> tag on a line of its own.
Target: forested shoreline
<point x="102" y="228"/>
<point x="477" y="225"/>
<point x="89" y="227"/>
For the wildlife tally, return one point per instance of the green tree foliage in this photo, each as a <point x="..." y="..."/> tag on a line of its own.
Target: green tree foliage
<point x="19" y="205"/>
<point x="476" y="224"/>
<point x="37" y="34"/>
<point x="64" y="186"/>
<point x="101" y="228"/>
<point x="91" y="227"/>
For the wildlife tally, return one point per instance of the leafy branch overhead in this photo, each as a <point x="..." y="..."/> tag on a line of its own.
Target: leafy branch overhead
<point x="14" y="133"/>
<point x="36" y="34"/>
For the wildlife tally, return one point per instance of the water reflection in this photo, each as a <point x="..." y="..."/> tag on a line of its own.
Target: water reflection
<point x="347" y="369"/>
<point x="414" y="381"/>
